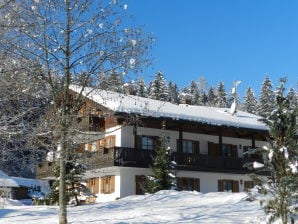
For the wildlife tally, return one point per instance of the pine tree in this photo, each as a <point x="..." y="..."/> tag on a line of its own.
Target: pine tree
<point x="193" y="90"/>
<point x="281" y="186"/>
<point x="293" y="97"/>
<point x="266" y="99"/>
<point x="141" y="88"/>
<point x="162" y="166"/>
<point x="115" y="82"/>
<point x="158" y="88"/>
<point x="74" y="172"/>
<point x="202" y="87"/>
<point x="221" y="96"/>
<point x="173" y="93"/>
<point x="211" y="97"/>
<point x="250" y="101"/>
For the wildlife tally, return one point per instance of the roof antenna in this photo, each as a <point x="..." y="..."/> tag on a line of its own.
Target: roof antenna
<point x="233" y="109"/>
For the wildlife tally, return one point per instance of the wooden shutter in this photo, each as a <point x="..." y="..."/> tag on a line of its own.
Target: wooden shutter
<point x="110" y="141"/>
<point x="179" y="145"/>
<point x="112" y="184"/>
<point x="196" y="147"/>
<point x="156" y="143"/>
<point x="235" y="186"/>
<point x="96" y="186"/>
<point x="234" y="150"/>
<point x="179" y="183"/>
<point x="212" y="149"/>
<point x="102" y="185"/>
<point x="248" y="185"/>
<point x="220" y="185"/>
<point x="139" y="183"/>
<point x="196" y="184"/>
<point x="139" y="142"/>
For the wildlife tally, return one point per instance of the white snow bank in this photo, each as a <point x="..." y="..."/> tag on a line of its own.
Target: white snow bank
<point x="162" y="207"/>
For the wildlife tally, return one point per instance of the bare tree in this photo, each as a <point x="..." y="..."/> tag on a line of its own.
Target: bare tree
<point x="23" y="102"/>
<point x="75" y="42"/>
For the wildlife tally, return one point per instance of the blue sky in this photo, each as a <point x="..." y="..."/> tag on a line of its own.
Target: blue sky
<point x="222" y="40"/>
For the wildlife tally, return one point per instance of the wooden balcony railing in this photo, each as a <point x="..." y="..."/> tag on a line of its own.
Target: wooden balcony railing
<point x="130" y="157"/>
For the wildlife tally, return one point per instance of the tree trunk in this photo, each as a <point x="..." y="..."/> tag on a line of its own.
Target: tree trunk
<point x="62" y="193"/>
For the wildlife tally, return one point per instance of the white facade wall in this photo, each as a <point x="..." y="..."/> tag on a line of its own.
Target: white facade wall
<point x="209" y="180"/>
<point x="125" y="184"/>
<point x="127" y="139"/>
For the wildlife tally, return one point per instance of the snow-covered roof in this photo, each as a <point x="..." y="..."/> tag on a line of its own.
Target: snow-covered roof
<point x="154" y="108"/>
<point x="8" y="182"/>
<point x="3" y="175"/>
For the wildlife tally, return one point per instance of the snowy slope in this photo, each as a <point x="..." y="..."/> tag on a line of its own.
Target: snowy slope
<point x="162" y="207"/>
<point x="210" y="115"/>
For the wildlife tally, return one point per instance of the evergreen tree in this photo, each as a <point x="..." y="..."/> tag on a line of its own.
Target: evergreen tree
<point x="74" y="172"/>
<point x="158" y="89"/>
<point x="211" y="97"/>
<point x="162" y="178"/>
<point x="115" y="82"/>
<point x="293" y="97"/>
<point x="202" y="87"/>
<point x="281" y="187"/>
<point x="250" y="101"/>
<point x="194" y="91"/>
<point x="173" y="93"/>
<point x="141" y="88"/>
<point x="221" y="96"/>
<point x="204" y="99"/>
<point x="266" y="99"/>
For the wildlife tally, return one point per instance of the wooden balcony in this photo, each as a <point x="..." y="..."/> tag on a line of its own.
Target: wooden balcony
<point x="130" y="157"/>
<point x="188" y="161"/>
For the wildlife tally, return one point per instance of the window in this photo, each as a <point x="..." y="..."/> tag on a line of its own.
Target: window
<point x="108" y="184"/>
<point x="93" y="185"/>
<point x="228" y="185"/>
<point x="251" y="156"/>
<point x="188" y="184"/>
<point x="188" y="146"/>
<point x="147" y="142"/>
<point x="229" y="150"/>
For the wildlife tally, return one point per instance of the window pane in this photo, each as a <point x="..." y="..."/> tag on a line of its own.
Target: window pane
<point x="147" y="143"/>
<point x="187" y="146"/>
<point x="228" y="186"/>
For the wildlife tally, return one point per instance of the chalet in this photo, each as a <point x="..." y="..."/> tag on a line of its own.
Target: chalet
<point x="208" y="144"/>
<point x="21" y="188"/>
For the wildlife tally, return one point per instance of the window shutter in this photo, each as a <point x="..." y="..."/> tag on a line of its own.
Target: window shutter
<point x="178" y="145"/>
<point x="234" y="151"/>
<point x="212" y="149"/>
<point x="220" y="185"/>
<point x="248" y="185"/>
<point x="196" y="184"/>
<point x="218" y="150"/>
<point x="156" y="143"/>
<point x="139" y="142"/>
<point x="235" y="186"/>
<point x="112" y="184"/>
<point x="139" y="182"/>
<point x="179" y="183"/>
<point x="89" y="183"/>
<point x="102" y="188"/>
<point x="196" y="147"/>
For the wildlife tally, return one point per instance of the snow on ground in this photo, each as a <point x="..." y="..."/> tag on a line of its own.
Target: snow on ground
<point x="162" y="207"/>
